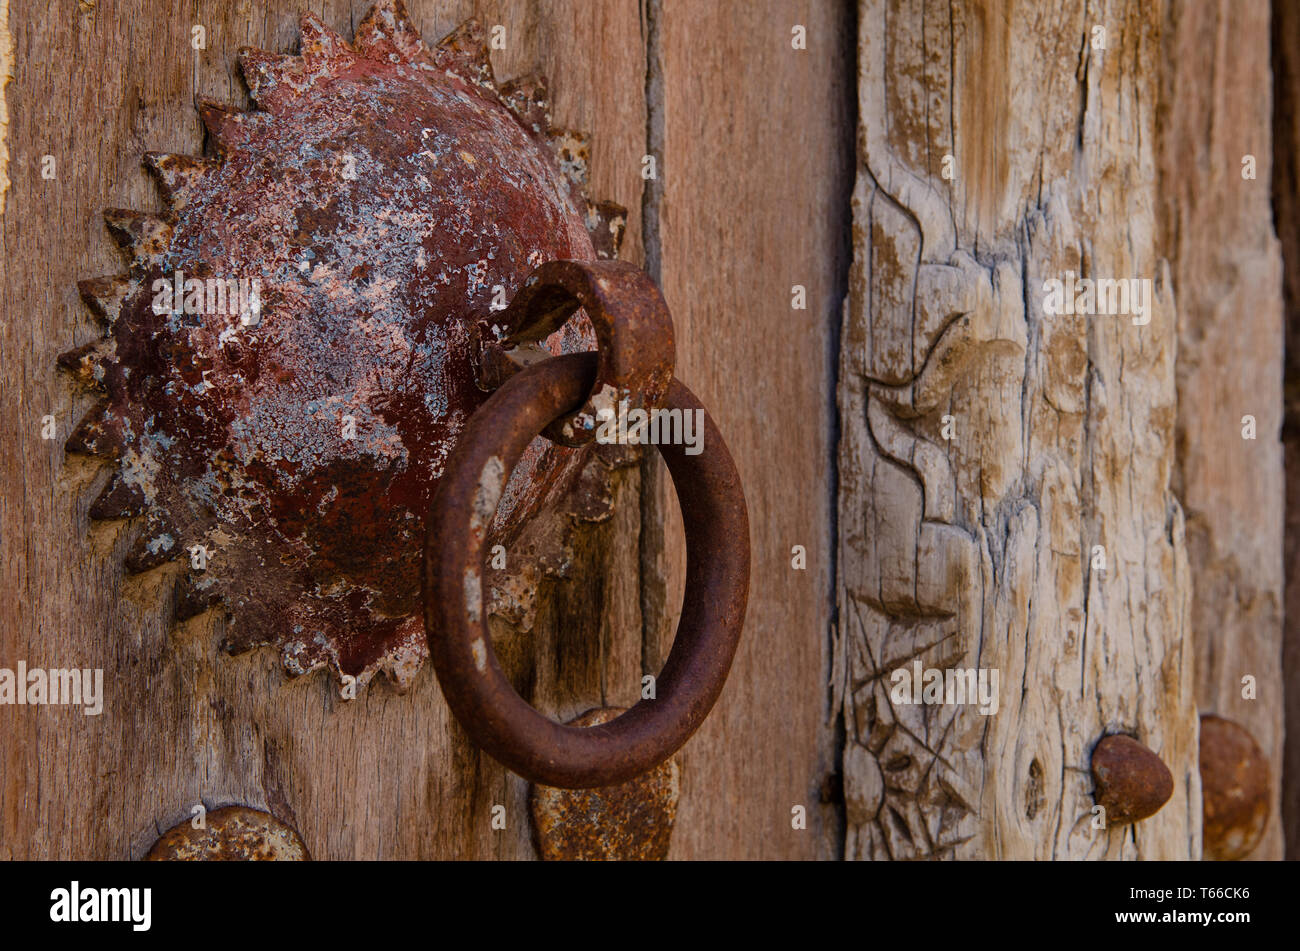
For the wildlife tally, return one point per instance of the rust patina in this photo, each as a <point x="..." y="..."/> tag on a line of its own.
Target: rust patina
<point x="1132" y="782"/>
<point x="487" y="706"/>
<point x="231" y="834"/>
<point x="631" y="821"/>
<point x="383" y="198"/>
<point x="1235" y="789"/>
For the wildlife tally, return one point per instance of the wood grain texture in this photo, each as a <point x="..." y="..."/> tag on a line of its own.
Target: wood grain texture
<point x="1227" y="270"/>
<point x="988" y="448"/>
<point x="97" y="84"/>
<point x="754" y="180"/>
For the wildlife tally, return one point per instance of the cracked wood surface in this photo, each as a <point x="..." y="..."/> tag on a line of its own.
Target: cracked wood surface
<point x="977" y="551"/>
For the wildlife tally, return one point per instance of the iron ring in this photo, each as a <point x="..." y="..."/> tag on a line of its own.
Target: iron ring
<point x="717" y="586"/>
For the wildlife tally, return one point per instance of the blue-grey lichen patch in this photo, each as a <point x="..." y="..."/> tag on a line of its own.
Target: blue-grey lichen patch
<point x="381" y="199"/>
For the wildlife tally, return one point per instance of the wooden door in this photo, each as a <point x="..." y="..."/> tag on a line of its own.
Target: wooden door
<point x="852" y="210"/>
<point x="733" y="219"/>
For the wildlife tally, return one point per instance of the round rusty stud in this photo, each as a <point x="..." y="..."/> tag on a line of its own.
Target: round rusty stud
<point x="632" y="821"/>
<point x="231" y="834"/>
<point x="1234" y="790"/>
<point x="1131" y="781"/>
<point x="713" y="610"/>
<point x="634" y="338"/>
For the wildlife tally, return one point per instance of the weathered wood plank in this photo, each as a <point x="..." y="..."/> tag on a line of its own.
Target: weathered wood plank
<point x="1227" y="276"/>
<point x="988" y="449"/>
<point x="385" y="776"/>
<point x="754" y="180"/>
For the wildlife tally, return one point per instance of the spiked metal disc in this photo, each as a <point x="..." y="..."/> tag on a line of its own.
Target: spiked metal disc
<point x="286" y="362"/>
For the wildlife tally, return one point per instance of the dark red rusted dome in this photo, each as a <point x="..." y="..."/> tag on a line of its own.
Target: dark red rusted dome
<point x="385" y="197"/>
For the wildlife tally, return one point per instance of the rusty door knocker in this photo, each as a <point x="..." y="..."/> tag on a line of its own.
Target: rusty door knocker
<point x="633" y="366"/>
<point x="299" y="353"/>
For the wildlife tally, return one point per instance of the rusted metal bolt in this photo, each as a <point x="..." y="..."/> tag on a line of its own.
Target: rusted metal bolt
<point x="231" y="834"/>
<point x="1234" y="790"/>
<point x="632" y="821"/>
<point x="1131" y="781"/>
